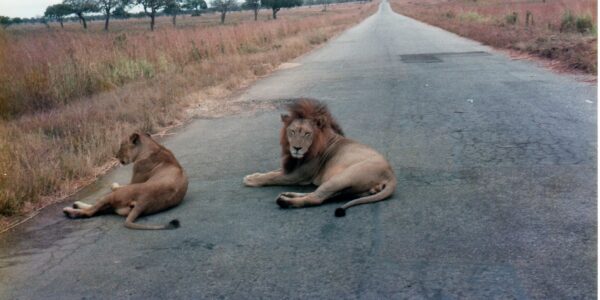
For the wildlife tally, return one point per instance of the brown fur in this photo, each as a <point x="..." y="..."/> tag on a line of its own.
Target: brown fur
<point x="314" y="150"/>
<point x="309" y="109"/>
<point x="158" y="183"/>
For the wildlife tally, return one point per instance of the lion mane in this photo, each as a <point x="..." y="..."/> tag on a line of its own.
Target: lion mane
<point x="318" y="113"/>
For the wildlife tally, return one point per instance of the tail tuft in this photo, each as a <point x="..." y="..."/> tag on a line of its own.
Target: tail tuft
<point x="174" y="223"/>
<point x="340" y="212"/>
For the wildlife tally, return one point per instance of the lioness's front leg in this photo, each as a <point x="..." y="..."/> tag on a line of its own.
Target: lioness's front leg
<point x="271" y="178"/>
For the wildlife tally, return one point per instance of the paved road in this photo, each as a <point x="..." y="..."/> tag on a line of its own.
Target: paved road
<point x="496" y="161"/>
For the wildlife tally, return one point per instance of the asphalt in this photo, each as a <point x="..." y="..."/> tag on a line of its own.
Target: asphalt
<point x="496" y="162"/>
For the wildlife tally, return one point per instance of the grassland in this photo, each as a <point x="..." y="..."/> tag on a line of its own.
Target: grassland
<point x="68" y="96"/>
<point x="564" y="31"/>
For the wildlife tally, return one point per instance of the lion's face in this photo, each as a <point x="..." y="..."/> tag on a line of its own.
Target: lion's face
<point x="130" y="148"/>
<point x="300" y="135"/>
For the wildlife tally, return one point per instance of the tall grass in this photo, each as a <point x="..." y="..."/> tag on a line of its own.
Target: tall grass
<point x="564" y="30"/>
<point x="45" y="69"/>
<point x="69" y="96"/>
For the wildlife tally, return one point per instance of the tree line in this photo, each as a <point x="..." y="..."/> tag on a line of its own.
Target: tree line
<point x="83" y="10"/>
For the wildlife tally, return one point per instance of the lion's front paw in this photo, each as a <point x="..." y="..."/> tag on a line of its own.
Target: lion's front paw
<point x="253" y="179"/>
<point x="283" y="201"/>
<point x="114" y="186"/>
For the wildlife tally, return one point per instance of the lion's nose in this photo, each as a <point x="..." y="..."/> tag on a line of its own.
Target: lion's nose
<point x="297" y="148"/>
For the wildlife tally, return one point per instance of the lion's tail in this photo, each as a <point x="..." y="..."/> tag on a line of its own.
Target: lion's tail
<point x="387" y="190"/>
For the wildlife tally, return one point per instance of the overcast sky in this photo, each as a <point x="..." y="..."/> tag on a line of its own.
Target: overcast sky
<point x="25" y="8"/>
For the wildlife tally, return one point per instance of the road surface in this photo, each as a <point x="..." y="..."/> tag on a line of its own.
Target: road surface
<point x="496" y="161"/>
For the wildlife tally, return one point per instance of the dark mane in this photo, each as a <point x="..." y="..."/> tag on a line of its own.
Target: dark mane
<point x="310" y="109"/>
<point x="306" y="108"/>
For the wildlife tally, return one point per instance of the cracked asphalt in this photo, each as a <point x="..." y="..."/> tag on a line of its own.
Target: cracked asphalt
<point x="496" y="162"/>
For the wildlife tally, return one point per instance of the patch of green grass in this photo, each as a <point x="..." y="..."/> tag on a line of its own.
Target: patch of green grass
<point x="512" y="19"/>
<point x="571" y="22"/>
<point x="473" y="17"/>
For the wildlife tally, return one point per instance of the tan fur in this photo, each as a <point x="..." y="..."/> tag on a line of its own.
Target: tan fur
<point x="314" y="151"/>
<point x="158" y="183"/>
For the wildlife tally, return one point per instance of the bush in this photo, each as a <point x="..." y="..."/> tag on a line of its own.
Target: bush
<point x="567" y="22"/>
<point x="449" y="14"/>
<point x="584" y="24"/>
<point x="572" y="23"/>
<point x="512" y="18"/>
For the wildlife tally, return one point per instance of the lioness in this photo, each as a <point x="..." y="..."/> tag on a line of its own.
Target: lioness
<point x="158" y="183"/>
<point x="314" y="150"/>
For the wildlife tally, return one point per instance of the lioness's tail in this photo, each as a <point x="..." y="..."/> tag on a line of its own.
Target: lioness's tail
<point x="387" y="190"/>
<point x="171" y="225"/>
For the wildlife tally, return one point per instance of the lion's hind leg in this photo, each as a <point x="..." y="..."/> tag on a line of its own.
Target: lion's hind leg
<point x="380" y="192"/>
<point x="328" y="189"/>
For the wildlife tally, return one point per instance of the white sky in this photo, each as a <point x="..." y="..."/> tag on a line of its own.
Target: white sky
<point x="25" y="8"/>
<point x="33" y="8"/>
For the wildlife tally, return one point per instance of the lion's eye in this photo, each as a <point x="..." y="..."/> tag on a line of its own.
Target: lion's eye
<point x="292" y="132"/>
<point x="307" y="134"/>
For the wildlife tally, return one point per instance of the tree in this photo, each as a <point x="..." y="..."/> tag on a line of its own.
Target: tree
<point x="195" y="5"/>
<point x="106" y="6"/>
<point x="16" y="20"/>
<point x="223" y="6"/>
<point x="151" y="7"/>
<point x="5" y="21"/>
<point x="253" y="5"/>
<point x="325" y="3"/>
<point x="121" y="12"/>
<point x="277" y="5"/>
<point x="58" y="12"/>
<point x="173" y="8"/>
<point x="80" y="7"/>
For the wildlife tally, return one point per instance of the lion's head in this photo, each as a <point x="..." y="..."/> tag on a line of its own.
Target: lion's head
<point x="305" y="132"/>
<point x="130" y="148"/>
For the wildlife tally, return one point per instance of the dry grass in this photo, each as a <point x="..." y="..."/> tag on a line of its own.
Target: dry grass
<point x="69" y="96"/>
<point x="562" y="30"/>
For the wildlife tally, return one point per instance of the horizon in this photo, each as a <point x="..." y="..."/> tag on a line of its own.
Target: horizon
<point x="36" y="8"/>
<point x="25" y="8"/>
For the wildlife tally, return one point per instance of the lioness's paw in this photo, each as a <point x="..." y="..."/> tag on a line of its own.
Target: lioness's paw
<point x="252" y="179"/>
<point x="114" y="186"/>
<point x="69" y="212"/>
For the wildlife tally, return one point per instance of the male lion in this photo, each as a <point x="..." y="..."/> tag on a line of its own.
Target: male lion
<point x="158" y="183"/>
<point x="314" y="150"/>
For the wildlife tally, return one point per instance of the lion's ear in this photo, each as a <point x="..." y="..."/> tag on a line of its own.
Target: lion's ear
<point x="134" y="138"/>
<point x="320" y="122"/>
<point x="285" y="118"/>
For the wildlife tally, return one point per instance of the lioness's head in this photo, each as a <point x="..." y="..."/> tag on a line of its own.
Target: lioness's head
<point x="130" y="148"/>
<point x="300" y="136"/>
